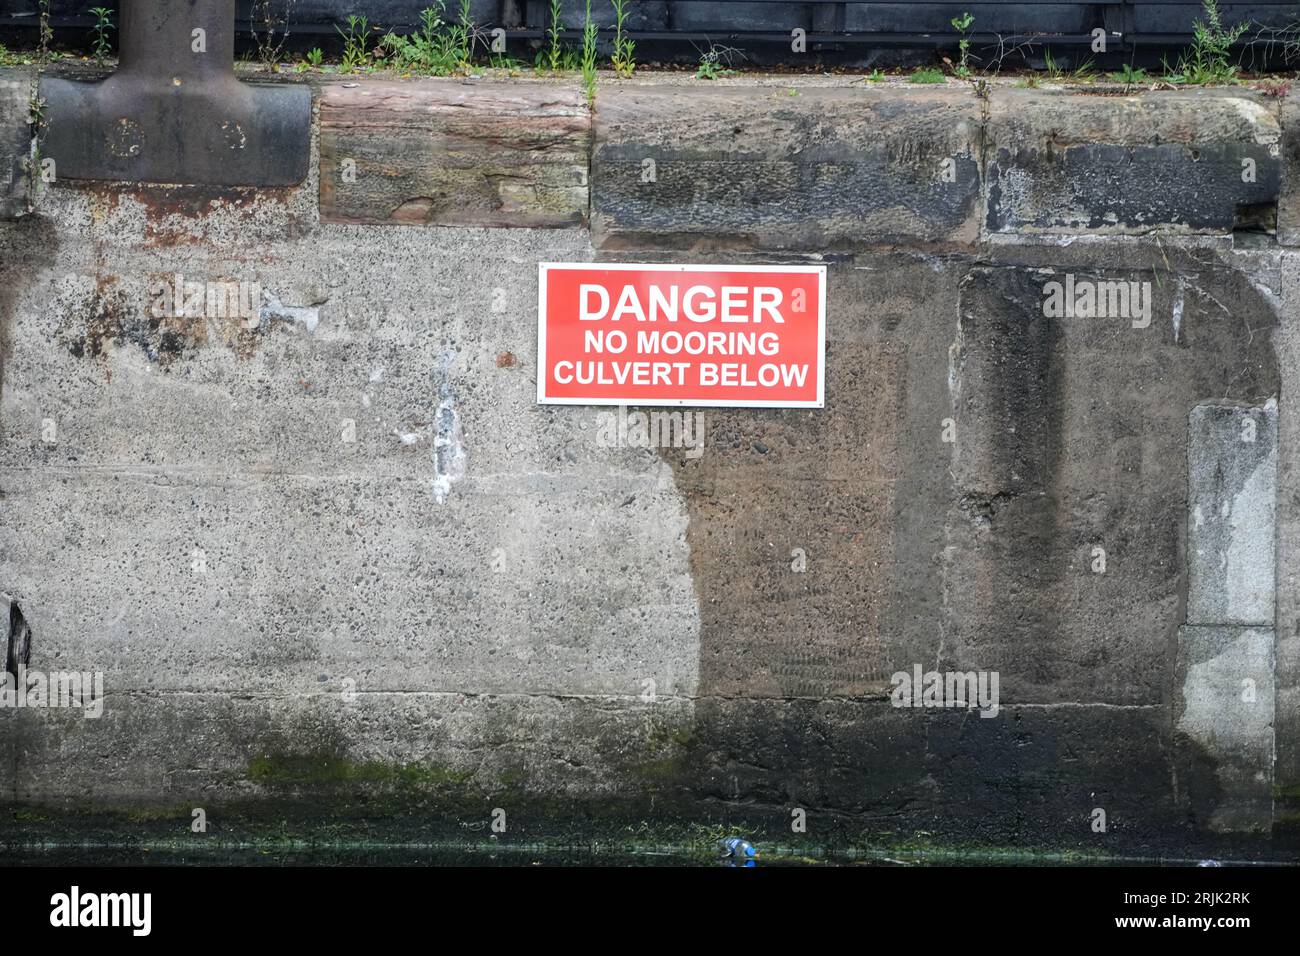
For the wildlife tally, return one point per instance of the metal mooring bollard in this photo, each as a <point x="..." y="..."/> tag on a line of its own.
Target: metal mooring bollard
<point x="174" y="111"/>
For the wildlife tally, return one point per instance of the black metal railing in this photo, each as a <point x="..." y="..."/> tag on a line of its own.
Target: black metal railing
<point x="861" y="31"/>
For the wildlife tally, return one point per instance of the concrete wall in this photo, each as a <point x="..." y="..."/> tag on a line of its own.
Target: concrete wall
<point x="340" y="563"/>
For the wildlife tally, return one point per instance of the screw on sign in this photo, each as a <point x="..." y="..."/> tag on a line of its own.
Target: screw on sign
<point x="715" y="335"/>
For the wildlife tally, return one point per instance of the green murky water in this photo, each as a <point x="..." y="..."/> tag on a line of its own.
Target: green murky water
<point x="519" y="856"/>
<point x="377" y="856"/>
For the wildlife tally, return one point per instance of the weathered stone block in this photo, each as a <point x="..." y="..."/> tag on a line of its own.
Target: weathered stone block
<point x="771" y="170"/>
<point x="1232" y="479"/>
<point x="1033" y="774"/>
<point x="217" y="747"/>
<point x="1071" y="447"/>
<point x="1042" y="773"/>
<point x="447" y="153"/>
<point x="1187" y="162"/>
<point x="1223" y="712"/>
<point x="15" y="143"/>
<point x="1288" y="206"/>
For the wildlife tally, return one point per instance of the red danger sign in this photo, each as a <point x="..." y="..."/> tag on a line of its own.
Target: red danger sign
<point x="681" y="335"/>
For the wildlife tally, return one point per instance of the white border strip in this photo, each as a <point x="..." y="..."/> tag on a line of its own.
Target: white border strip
<point x="543" y="399"/>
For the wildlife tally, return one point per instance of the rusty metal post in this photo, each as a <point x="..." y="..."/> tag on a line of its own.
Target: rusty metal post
<point x="174" y="111"/>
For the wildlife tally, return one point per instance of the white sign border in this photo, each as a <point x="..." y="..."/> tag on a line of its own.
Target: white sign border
<point x="544" y="399"/>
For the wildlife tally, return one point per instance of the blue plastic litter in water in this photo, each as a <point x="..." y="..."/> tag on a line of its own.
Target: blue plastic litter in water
<point x="738" y="850"/>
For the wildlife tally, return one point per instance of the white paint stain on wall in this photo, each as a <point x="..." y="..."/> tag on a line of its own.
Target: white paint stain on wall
<point x="448" y="450"/>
